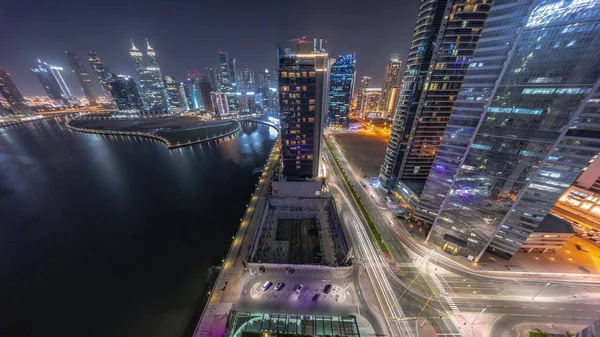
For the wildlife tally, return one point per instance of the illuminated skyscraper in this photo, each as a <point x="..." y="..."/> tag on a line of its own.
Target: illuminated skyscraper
<point x="12" y="94"/>
<point x="53" y="82"/>
<point x="153" y="87"/>
<point x="220" y="103"/>
<point x="205" y="90"/>
<point x="245" y="79"/>
<point x="303" y="101"/>
<point x="391" y="86"/>
<point x="175" y="94"/>
<point x="126" y="94"/>
<point x="102" y="72"/>
<point x="232" y="70"/>
<point x="341" y="85"/>
<point x="212" y="75"/>
<point x="192" y="91"/>
<point x="365" y="82"/>
<point x="224" y="67"/>
<point x="525" y="124"/>
<point x="228" y="85"/>
<point x="432" y="79"/>
<point x="83" y="77"/>
<point x="371" y="99"/>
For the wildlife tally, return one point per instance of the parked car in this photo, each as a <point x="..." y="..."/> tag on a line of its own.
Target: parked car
<point x="266" y="285"/>
<point x="327" y="288"/>
<point x="299" y="288"/>
<point x="316" y="298"/>
<point x="279" y="286"/>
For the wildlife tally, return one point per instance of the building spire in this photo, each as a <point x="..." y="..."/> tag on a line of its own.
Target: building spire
<point x="133" y="45"/>
<point x="148" y="44"/>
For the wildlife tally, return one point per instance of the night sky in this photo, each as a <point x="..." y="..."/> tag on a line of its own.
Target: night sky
<point x="186" y="34"/>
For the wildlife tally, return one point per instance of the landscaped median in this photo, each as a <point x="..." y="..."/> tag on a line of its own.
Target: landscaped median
<point x="363" y="210"/>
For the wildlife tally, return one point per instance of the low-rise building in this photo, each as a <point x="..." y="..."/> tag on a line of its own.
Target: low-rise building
<point x="550" y="236"/>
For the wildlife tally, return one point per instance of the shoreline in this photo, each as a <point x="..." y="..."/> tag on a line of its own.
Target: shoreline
<point x="153" y="136"/>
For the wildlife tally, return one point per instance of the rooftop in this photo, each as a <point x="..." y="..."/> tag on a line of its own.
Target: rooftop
<point x="554" y="224"/>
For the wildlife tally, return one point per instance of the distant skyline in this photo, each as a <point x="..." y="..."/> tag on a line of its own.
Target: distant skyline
<point x="186" y="36"/>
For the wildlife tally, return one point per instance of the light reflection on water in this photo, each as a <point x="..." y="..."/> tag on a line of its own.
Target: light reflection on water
<point x="112" y="235"/>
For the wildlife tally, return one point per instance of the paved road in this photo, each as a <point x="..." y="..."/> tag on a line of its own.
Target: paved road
<point x="461" y="291"/>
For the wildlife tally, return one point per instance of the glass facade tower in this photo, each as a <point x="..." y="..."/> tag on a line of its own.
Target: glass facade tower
<point x="126" y="94"/>
<point x="11" y="93"/>
<point x="341" y="85"/>
<point x="83" y="77"/>
<point x="53" y="82"/>
<point x="102" y="72"/>
<point x="445" y="35"/>
<point x="391" y="85"/>
<point x="303" y="100"/>
<point x="525" y="124"/>
<point x="153" y="87"/>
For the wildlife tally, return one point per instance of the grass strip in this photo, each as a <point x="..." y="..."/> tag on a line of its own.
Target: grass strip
<point x="362" y="207"/>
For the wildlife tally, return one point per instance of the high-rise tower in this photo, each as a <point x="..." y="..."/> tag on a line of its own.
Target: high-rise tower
<point x="446" y="33"/>
<point x="524" y="126"/>
<point x="102" y="72"/>
<point x="175" y="94"/>
<point x="53" y="82"/>
<point x="12" y="94"/>
<point x="303" y="102"/>
<point x="83" y="77"/>
<point x="365" y="83"/>
<point x="126" y="94"/>
<point x="391" y="86"/>
<point x="153" y="87"/>
<point x="341" y="85"/>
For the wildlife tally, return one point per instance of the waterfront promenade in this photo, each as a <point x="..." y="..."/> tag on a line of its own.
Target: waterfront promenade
<point x="174" y="131"/>
<point x="228" y="285"/>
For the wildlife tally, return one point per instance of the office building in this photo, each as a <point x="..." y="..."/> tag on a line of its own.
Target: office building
<point x="224" y="64"/>
<point x="192" y="91"/>
<point x="432" y="79"/>
<point x="175" y="94"/>
<point x="371" y="97"/>
<point x="83" y="77"/>
<point x="341" y="86"/>
<point x="365" y="82"/>
<point x="220" y="103"/>
<point x="126" y="94"/>
<point x="228" y="85"/>
<point x="51" y="79"/>
<point x="265" y="79"/>
<point x="13" y="96"/>
<point x="245" y="79"/>
<point x="102" y="73"/>
<point x="212" y="75"/>
<point x="181" y="88"/>
<point x="232" y="70"/>
<point x="391" y="86"/>
<point x="523" y="128"/>
<point x="153" y="87"/>
<point x="303" y="101"/>
<point x="205" y="90"/>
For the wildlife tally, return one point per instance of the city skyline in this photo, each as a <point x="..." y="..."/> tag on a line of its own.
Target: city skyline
<point x="252" y="43"/>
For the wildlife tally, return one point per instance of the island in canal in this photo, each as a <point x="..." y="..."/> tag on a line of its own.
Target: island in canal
<point x="174" y="131"/>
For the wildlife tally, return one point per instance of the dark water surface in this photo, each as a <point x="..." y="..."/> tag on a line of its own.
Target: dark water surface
<point x="110" y="235"/>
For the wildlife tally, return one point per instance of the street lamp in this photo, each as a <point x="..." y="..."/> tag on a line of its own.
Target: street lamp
<point x="539" y="291"/>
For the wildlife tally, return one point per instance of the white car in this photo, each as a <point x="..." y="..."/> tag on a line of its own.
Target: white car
<point x="299" y="288"/>
<point x="266" y="285"/>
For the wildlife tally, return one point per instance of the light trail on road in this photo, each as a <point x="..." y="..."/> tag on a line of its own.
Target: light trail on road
<point x="374" y="267"/>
